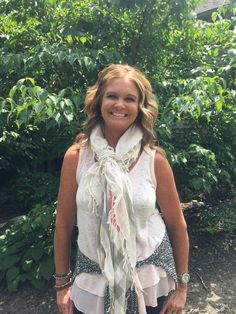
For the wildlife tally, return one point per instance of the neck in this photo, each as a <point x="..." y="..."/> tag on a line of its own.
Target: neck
<point x="112" y="137"/>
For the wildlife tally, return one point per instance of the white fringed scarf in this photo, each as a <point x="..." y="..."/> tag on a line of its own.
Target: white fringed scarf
<point x="110" y="192"/>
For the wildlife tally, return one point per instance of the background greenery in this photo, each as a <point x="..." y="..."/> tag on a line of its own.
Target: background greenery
<point x="52" y="50"/>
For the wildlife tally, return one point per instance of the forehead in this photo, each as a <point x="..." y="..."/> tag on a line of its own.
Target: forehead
<point x="122" y="84"/>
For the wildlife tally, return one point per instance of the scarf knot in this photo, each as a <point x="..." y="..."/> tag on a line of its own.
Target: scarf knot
<point x="110" y="158"/>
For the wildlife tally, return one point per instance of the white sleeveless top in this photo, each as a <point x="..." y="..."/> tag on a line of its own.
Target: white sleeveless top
<point x="88" y="289"/>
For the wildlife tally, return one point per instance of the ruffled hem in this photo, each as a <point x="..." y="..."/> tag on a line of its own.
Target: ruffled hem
<point x="88" y="289"/>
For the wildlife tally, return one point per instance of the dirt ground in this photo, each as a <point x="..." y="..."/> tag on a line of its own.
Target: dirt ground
<point x="212" y="288"/>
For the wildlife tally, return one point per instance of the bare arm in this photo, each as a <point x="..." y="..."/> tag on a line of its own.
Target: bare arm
<point x="65" y="219"/>
<point x="169" y="202"/>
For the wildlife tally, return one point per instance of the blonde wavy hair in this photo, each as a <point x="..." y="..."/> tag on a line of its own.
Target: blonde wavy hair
<point x="148" y="109"/>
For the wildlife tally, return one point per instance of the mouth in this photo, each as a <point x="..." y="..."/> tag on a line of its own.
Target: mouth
<point x="121" y="115"/>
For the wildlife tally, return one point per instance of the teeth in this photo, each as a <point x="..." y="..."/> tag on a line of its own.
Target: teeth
<point x="118" y="114"/>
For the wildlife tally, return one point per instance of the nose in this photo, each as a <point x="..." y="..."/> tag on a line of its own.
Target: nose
<point x="120" y="104"/>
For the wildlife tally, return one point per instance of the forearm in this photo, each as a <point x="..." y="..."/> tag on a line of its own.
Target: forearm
<point x="180" y="244"/>
<point x="62" y="244"/>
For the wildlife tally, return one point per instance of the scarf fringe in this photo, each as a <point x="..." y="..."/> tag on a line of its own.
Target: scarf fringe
<point x="110" y="191"/>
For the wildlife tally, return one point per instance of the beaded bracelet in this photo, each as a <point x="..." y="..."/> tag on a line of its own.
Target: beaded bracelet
<point x="65" y="285"/>
<point x="62" y="277"/>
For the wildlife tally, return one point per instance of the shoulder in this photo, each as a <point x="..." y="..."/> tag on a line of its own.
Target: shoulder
<point x="160" y="158"/>
<point x="162" y="167"/>
<point x="71" y="156"/>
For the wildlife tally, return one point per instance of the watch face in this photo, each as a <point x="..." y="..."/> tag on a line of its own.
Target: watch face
<point x="185" y="278"/>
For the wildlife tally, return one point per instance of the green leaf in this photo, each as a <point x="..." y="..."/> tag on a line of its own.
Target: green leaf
<point x="13" y="249"/>
<point x="46" y="267"/>
<point x="42" y="94"/>
<point x="69" y="39"/>
<point x="58" y="118"/>
<point x="38" y="107"/>
<point x="68" y="103"/>
<point x="83" y="39"/>
<point x="13" y="90"/>
<point x="37" y="253"/>
<point x="219" y="103"/>
<point x="13" y="284"/>
<point x="69" y="116"/>
<point x="7" y="261"/>
<point x="31" y="80"/>
<point x="197" y="183"/>
<point x="54" y="99"/>
<point x="52" y="2"/>
<point x="23" y="90"/>
<point x="46" y="221"/>
<point x="214" y="16"/>
<point x="27" y="264"/>
<point x="12" y="273"/>
<point x="24" y="115"/>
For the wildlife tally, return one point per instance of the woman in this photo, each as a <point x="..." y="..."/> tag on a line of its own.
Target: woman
<point x="111" y="180"/>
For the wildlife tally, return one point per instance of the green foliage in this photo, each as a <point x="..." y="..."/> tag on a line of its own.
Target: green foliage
<point x="29" y="189"/>
<point x="64" y="44"/>
<point x="26" y="248"/>
<point x="51" y="51"/>
<point x="37" y="126"/>
<point x="198" y="129"/>
<point x="219" y="218"/>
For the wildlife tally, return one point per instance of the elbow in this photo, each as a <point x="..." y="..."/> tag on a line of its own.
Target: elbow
<point x="179" y="227"/>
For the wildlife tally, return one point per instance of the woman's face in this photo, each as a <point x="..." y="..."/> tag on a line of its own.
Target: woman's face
<point x="119" y="106"/>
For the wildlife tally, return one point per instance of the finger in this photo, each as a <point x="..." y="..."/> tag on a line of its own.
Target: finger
<point x="169" y="311"/>
<point x="176" y="312"/>
<point x="163" y="310"/>
<point x="67" y="308"/>
<point x="63" y="310"/>
<point x="71" y="307"/>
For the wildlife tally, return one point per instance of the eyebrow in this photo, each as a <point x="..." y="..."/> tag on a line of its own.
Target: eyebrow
<point x="113" y="92"/>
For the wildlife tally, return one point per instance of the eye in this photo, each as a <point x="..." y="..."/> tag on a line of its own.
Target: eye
<point x="111" y="96"/>
<point x="130" y="99"/>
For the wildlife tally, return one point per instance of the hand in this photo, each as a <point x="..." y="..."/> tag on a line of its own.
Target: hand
<point x="64" y="303"/>
<point x="175" y="302"/>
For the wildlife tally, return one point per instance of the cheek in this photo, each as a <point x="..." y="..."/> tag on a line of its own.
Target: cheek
<point x="103" y="108"/>
<point x="135" y="112"/>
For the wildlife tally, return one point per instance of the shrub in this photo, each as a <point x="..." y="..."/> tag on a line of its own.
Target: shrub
<point x="28" y="189"/>
<point x="26" y="248"/>
<point x="219" y="218"/>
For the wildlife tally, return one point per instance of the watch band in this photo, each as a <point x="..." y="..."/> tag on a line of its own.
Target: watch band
<point x="184" y="278"/>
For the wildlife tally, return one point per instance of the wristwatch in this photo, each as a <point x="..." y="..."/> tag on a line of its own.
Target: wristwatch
<point x="184" y="278"/>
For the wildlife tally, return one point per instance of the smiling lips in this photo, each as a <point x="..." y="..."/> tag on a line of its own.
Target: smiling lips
<point x="116" y="114"/>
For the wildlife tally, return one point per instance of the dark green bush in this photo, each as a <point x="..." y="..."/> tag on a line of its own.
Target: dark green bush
<point x="37" y="126"/>
<point x="26" y="248"/>
<point x="220" y="217"/>
<point x="29" y="189"/>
